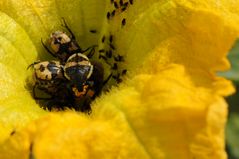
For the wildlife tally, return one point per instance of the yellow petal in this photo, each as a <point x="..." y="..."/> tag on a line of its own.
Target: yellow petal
<point x="40" y="18"/>
<point x="24" y="23"/>
<point x="160" y="116"/>
<point x="171" y="116"/>
<point x="196" y="34"/>
<point x="17" y="51"/>
<point x="163" y="111"/>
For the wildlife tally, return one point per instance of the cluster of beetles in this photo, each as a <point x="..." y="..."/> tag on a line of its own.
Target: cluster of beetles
<point x="74" y="80"/>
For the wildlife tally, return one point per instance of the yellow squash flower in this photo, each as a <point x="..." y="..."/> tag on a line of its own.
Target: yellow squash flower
<point x="170" y="105"/>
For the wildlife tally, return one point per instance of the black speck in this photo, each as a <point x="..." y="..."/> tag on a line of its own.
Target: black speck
<point x="93" y="31"/>
<point x="121" y="2"/>
<point x="125" y="4"/>
<point x="108" y="15"/>
<point x="131" y="1"/>
<point x="109" y="53"/>
<point x="112" y="46"/>
<point x="123" y="22"/>
<point x="115" y="66"/>
<point x="103" y="57"/>
<point x="103" y="39"/>
<point x="113" y="13"/>
<point x="116" y="5"/>
<point x="101" y="50"/>
<point x="123" y="9"/>
<point x="111" y="38"/>
<point x="13" y="132"/>
<point x="111" y="1"/>
<point x="119" y="58"/>
<point x="117" y="78"/>
<point x="124" y="72"/>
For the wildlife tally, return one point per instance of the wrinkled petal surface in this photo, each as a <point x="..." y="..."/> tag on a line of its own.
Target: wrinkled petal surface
<point x="171" y="103"/>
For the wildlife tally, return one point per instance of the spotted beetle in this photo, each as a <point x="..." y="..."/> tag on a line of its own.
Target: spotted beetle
<point x="48" y="76"/>
<point x="63" y="46"/>
<point x="75" y="80"/>
<point x="78" y="70"/>
<point x="86" y="79"/>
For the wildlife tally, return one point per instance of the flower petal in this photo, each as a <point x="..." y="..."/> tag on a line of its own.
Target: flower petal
<point x="165" y="111"/>
<point x="23" y="23"/>
<point x="159" y="115"/>
<point x="16" y="104"/>
<point x="171" y="116"/>
<point x="40" y="18"/>
<point x="197" y="34"/>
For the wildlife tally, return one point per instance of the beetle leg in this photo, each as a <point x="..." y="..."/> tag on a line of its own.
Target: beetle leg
<point x="105" y="59"/>
<point x="67" y="27"/>
<point x="35" y="96"/>
<point x="47" y="49"/>
<point x="107" y="79"/>
<point x="86" y="107"/>
<point x="92" y="51"/>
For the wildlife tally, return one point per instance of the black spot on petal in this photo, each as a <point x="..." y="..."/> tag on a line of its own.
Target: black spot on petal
<point x="13" y="132"/>
<point x="124" y="72"/>
<point x="119" y="58"/>
<point x="101" y="50"/>
<point x="93" y="31"/>
<point x="123" y="22"/>
<point x="121" y="2"/>
<point x="112" y="46"/>
<point x="125" y="4"/>
<point x="116" y="5"/>
<point x="115" y="66"/>
<point x="109" y="53"/>
<point x="113" y="13"/>
<point x="108" y="15"/>
<point x="111" y="38"/>
<point x="103" y="39"/>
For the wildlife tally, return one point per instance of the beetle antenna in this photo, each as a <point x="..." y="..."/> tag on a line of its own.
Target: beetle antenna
<point x="67" y="27"/>
<point x="31" y="65"/>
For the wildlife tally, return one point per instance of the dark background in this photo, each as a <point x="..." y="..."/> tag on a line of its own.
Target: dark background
<point x="232" y="129"/>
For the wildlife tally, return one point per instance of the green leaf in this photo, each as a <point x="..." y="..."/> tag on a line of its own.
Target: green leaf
<point x="233" y="73"/>
<point x="232" y="130"/>
<point x="233" y="134"/>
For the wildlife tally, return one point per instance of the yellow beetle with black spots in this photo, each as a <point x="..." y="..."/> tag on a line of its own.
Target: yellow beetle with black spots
<point x="48" y="76"/>
<point x="86" y="79"/>
<point x="63" y="46"/>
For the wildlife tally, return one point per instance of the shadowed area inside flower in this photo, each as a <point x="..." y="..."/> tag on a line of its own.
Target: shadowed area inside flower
<point x="171" y="103"/>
